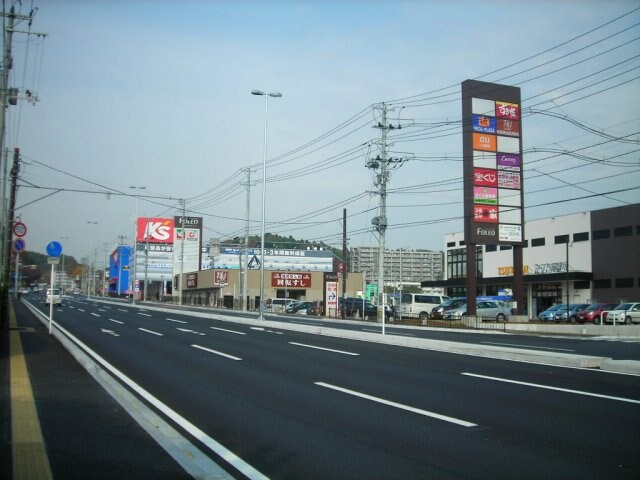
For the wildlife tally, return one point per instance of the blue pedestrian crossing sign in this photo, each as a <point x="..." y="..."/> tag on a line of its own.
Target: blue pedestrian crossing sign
<point x="54" y="249"/>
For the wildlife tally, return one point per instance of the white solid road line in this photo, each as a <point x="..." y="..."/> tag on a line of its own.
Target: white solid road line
<point x="558" y="389"/>
<point x="186" y="330"/>
<point x="228" y="331"/>
<point x="181" y="447"/>
<point x="216" y="352"/>
<point x="533" y="347"/>
<point x="151" y="331"/>
<point x="176" y="321"/>
<point x="323" y="348"/>
<point x="419" y="411"/>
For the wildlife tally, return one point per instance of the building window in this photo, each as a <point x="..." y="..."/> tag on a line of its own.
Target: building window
<point x="623" y="231"/>
<point x="451" y="244"/>
<point x="601" y="234"/>
<point x="602" y="283"/>
<point x="581" y="237"/>
<point x="581" y="284"/>
<point x="526" y="244"/>
<point x="624" y="282"/>
<point x="462" y="243"/>
<point x="537" y="242"/>
<point x="457" y="262"/>
<point x="561" y="239"/>
<point x="490" y="248"/>
<point x="505" y="247"/>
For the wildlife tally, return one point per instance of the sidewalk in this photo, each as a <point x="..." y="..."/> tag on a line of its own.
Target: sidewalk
<point x="83" y="433"/>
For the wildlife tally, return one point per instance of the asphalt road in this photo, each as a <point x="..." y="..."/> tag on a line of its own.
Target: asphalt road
<point x="285" y="404"/>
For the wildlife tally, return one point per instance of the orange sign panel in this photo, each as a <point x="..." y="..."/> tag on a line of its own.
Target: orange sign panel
<point x="484" y="141"/>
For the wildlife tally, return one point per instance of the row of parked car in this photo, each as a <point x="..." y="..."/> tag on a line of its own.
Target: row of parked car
<point x="456" y="308"/>
<point x="598" y="313"/>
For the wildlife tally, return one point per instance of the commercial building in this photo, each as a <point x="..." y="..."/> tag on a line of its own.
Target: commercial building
<point x="585" y="257"/>
<point x="223" y="287"/>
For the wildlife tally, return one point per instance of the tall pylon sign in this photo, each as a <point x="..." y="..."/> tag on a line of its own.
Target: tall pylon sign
<point x="492" y="149"/>
<point x="493" y="176"/>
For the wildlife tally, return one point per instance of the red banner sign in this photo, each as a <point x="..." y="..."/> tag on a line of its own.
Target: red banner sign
<point x="290" y="280"/>
<point x="485" y="177"/>
<point x="155" y="230"/>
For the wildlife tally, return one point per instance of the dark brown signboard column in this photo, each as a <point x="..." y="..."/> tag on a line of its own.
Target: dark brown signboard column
<point x="493" y="180"/>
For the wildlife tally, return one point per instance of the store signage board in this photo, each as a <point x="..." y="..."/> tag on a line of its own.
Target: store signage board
<point x="493" y="165"/>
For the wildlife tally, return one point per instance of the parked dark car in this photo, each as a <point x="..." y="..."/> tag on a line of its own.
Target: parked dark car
<point x="595" y="313"/>
<point x="296" y="306"/>
<point x="438" y="312"/>
<point x="354" y="306"/>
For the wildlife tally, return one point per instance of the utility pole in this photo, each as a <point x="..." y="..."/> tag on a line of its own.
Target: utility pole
<point x="8" y="96"/>
<point x="180" y="282"/>
<point x="345" y="266"/>
<point x="245" y="267"/>
<point x="6" y="254"/>
<point x="381" y="164"/>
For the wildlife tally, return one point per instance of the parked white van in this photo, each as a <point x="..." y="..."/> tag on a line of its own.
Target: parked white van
<point x="419" y="305"/>
<point x="278" y="304"/>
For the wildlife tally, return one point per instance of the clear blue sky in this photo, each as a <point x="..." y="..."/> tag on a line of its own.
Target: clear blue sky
<point x="157" y="94"/>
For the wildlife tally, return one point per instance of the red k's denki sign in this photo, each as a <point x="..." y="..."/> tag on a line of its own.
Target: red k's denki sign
<point x="155" y="230"/>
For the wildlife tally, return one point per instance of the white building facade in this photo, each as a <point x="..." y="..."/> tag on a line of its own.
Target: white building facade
<point x="586" y="257"/>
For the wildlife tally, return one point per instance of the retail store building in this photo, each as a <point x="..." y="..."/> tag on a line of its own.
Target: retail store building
<point x="584" y="257"/>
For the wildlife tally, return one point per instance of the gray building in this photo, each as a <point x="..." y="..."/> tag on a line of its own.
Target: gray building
<point x="401" y="265"/>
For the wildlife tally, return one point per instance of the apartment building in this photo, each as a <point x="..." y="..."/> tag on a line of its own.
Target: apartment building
<point x="400" y="265"/>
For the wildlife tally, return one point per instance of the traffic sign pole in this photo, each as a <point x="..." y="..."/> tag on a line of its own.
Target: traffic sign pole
<point x="54" y="249"/>
<point x="53" y="279"/>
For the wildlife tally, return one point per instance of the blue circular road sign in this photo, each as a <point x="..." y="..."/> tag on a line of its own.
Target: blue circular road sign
<point x="19" y="245"/>
<point x="54" y="249"/>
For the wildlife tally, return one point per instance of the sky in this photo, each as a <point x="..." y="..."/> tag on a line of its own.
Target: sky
<point x="157" y="94"/>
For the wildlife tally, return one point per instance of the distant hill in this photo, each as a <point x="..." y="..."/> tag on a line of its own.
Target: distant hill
<point x="34" y="267"/>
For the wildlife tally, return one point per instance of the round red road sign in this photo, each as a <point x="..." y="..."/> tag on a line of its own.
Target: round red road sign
<point x="19" y="229"/>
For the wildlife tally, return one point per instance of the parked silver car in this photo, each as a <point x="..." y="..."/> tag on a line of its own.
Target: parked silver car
<point x="625" y="313"/>
<point x="571" y="313"/>
<point x="488" y="309"/>
<point x="549" y="315"/>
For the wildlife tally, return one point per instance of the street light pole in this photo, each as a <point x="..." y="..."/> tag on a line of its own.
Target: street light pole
<point x="264" y="190"/>
<point x="135" y="250"/>
<point x="89" y="280"/>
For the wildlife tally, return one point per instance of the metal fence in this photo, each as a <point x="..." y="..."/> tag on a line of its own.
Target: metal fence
<point x="469" y="322"/>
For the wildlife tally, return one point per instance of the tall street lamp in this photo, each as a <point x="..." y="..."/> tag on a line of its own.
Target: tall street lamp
<point x="91" y="258"/>
<point x="135" y="249"/>
<point x="266" y="96"/>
